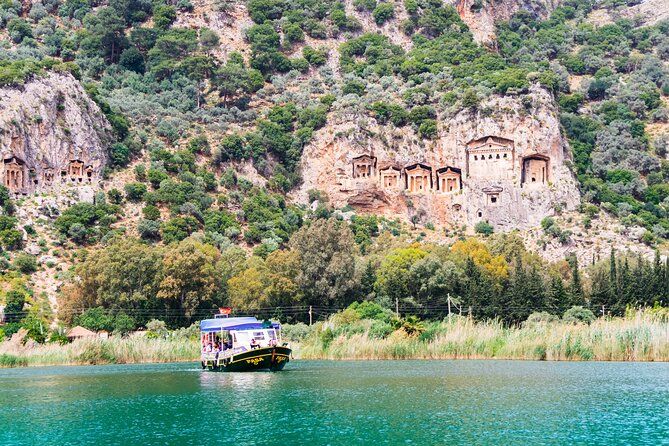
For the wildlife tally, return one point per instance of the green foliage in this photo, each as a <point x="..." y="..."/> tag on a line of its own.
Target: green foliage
<point x="95" y="319"/>
<point x="164" y="16"/>
<point x="315" y="57"/>
<point x="25" y="263"/>
<point x="178" y="228"/>
<point x="84" y="221"/>
<point x="151" y="212"/>
<point x="135" y="191"/>
<point x="484" y="228"/>
<point x="577" y="315"/>
<point x="14" y="303"/>
<point x="10" y="237"/>
<point x="383" y="12"/>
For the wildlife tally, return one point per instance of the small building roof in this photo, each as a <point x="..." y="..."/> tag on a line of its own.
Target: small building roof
<point x="80" y="332"/>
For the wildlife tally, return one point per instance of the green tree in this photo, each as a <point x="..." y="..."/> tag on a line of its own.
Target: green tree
<point x="575" y="290"/>
<point x="14" y="302"/>
<point x="326" y="251"/>
<point x="190" y="277"/>
<point x="394" y="274"/>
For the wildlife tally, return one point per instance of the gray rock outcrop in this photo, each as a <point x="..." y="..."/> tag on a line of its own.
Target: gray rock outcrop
<point x="52" y="136"/>
<point x="506" y="163"/>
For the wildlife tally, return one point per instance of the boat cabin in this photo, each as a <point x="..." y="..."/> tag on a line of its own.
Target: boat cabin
<point x="226" y="336"/>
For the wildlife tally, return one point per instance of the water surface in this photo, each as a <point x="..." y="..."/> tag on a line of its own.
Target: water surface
<point x="339" y="403"/>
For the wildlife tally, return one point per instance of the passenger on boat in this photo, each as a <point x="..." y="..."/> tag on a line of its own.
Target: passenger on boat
<point x="208" y="348"/>
<point x="254" y="343"/>
<point x="217" y="349"/>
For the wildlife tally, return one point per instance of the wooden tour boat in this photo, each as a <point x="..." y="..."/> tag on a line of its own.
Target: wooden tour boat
<point x="242" y="344"/>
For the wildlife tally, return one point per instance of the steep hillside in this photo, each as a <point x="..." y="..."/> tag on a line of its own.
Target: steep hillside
<point x="218" y="132"/>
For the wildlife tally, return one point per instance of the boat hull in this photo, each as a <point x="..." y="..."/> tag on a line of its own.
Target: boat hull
<point x="266" y="358"/>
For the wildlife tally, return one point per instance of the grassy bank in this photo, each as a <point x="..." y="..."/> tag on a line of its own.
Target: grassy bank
<point x="641" y="336"/>
<point x="115" y="350"/>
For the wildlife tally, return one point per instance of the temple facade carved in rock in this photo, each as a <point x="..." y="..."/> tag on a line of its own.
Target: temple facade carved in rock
<point x="23" y="179"/>
<point x="506" y="165"/>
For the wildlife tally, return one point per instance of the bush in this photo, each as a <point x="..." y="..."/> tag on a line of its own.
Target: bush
<point x="541" y="317"/>
<point x="115" y="196"/>
<point x="151" y="212"/>
<point x="123" y="324"/>
<point x="354" y="87"/>
<point x="380" y="330"/>
<point x="315" y="57"/>
<point x="14" y="302"/>
<point x="135" y="191"/>
<point x="95" y="319"/>
<point x="371" y="310"/>
<point x="383" y="12"/>
<point x="25" y="263"/>
<point x="149" y="229"/>
<point x="576" y="315"/>
<point x="119" y="154"/>
<point x="483" y="227"/>
<point x="428" y="129"/>
<point x="296" y="332"/>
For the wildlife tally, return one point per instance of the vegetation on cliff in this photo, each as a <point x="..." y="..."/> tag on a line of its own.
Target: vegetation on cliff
<point x="190" y="120"/>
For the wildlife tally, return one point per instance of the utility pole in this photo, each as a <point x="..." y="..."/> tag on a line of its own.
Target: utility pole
<point x="448" y="299"/>
<point x="397" y="307"/>
<point x="310" y="317"/>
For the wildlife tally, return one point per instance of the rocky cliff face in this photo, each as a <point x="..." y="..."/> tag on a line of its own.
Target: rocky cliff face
<point x="52" y="136"/>
<point x="481" y="15"/>
<point x="506" y="163"/>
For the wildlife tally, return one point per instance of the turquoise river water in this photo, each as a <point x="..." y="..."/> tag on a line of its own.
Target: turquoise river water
<point x="339" y="403"/>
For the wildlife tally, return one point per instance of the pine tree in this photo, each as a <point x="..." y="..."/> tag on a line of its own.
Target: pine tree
<point x="518" y="304"/>
<point x="575" y="291"/>
<point x="625" y="286"/>
<point x="367" y="282"/>
<point x="658" y="279"/>
<point x="556" y="300"/>
<point x="600" y="292"/>
<point x="614" y="287"/>
<point x="536" y="291"/>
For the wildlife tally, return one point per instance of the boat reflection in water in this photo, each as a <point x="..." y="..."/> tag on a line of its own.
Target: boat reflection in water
<point x="242" y="344"/>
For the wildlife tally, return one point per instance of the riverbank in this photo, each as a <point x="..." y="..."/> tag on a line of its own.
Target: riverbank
<point x="115" y="350"/>
<point x="640" y="336"/>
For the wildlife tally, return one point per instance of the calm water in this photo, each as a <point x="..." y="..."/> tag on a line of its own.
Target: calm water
<point x="339" y="403"/>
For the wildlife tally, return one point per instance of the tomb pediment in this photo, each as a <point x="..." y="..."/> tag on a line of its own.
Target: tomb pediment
<point x="489" y="141"/>
<point x="492" y="190"/>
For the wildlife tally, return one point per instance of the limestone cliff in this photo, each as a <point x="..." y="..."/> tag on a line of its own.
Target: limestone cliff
<point x="506" y="163"/>
<point x="52" y="136"/>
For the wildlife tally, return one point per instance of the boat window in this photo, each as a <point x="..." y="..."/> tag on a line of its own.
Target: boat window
<point x="272" y="334"/>
<point x="259" y="335"/>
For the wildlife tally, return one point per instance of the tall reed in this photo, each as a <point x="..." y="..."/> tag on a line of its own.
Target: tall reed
<point x="115" y="350"/>
<point x="641" y="336"/>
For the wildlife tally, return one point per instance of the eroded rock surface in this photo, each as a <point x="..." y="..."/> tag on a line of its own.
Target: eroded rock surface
<point x="506" y="163"/>
<point x="52" y="136"/>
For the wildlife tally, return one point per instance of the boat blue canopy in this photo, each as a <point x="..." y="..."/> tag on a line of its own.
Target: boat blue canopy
<point x="233" y="323"/>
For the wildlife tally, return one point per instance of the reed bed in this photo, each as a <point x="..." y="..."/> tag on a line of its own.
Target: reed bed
<point x="115" y="350"/>
<point x="638" y="337"/>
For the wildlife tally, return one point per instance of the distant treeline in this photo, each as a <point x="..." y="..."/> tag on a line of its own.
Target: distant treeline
<point x="322" y="266"/>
